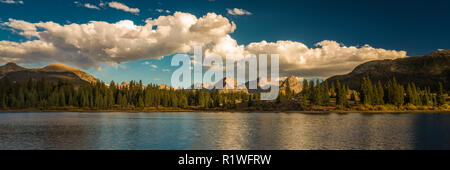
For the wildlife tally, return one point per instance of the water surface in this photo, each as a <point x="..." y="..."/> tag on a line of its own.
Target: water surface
<point x="223" y="131"/>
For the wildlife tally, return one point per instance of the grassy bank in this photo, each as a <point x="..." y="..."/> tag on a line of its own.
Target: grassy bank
<point x="258" y="108"/>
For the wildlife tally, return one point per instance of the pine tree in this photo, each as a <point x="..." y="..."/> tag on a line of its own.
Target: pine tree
<point x="62" y="98"/>
<point x="341" y="95"/>
<point x="415" y="93"/>
<point x="303" y="102"/>
<point x="366" y="91"/>
<point x="409" y="94"/>
<point x="440" y="95"/>
<point x="325" y="95"/>
<point x="315" y="95"/>
<point x="380" y="94"/>
<point x="399" y="92"/>
<point x="305" y="84"/>
<point x="333" y="91"/>
<point x="140" y="103"/>
<point x="427" y="97"/>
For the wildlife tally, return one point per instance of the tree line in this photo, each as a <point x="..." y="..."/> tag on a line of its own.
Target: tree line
<point x="396" y="94"/>
<point x="369" y="93"/>
<point x="43" y="94"/>
<point x="46" y="95"/>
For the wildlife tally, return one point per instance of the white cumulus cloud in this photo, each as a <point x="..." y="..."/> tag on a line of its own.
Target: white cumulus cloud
<point x="237" y="11"/>
<point x="326" y="59"/>
<point x="88" y="45"/>
<point x="123" y="7"/>
<point x="94" y="43"/>
<point x="88" y="5"/>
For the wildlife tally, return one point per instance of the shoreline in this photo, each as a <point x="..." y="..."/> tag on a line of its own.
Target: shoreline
<point x="232" y="111"/>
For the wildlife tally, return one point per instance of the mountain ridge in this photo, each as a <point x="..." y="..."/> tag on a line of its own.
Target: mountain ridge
<point x="52" y="73"/>
<point x="424" y="71"/>
<point x="10" y="67"/>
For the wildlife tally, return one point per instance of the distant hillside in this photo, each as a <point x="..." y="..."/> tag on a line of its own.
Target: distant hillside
<point x="9" y="67"/>
<point x="60" y="68"/>
<point x="424" y="71"/>
<point x="53" y="73"/>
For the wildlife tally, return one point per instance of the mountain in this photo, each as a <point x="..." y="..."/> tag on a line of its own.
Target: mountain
<point x="230" y="85"/>
<point x="291" y="84"/>
<point x="52" y="68"/>
<point x="9" y="67"/>
<point x="206" y="85"/>
<point x="52" y="73"/>
<point x="263" y="85"/>
<point x="424" y="71"/>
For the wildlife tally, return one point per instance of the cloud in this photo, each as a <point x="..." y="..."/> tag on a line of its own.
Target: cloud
<point x="88" y="45"/>
<point x="23" y="28"/>
<point x="237" y="11"/>
<point x="162" y="10"/>
<point x="102" y="4"/>
<point x="88" y="5"/>
<point x="326" y="59"/>
<point x="11" y="2"/>
<point x="91" y="44"/>
<point x="123" y="7"/>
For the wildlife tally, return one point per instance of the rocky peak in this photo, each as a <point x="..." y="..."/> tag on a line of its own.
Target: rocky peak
<point x="10" y="67"/>
<point x="11" y="64"/>
<point x="291" y="80"/>
<point x="292" y="84"/>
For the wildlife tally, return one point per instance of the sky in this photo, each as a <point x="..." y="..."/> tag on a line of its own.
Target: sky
<point x="125" y="40"/>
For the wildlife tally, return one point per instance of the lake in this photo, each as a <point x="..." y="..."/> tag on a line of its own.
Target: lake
<point x="223" y="131"/>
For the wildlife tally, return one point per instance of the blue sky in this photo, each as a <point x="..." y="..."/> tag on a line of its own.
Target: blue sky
<point x="417" y="27"/>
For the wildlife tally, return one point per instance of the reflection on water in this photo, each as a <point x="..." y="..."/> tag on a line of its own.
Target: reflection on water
<point x="223" y="131"/>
